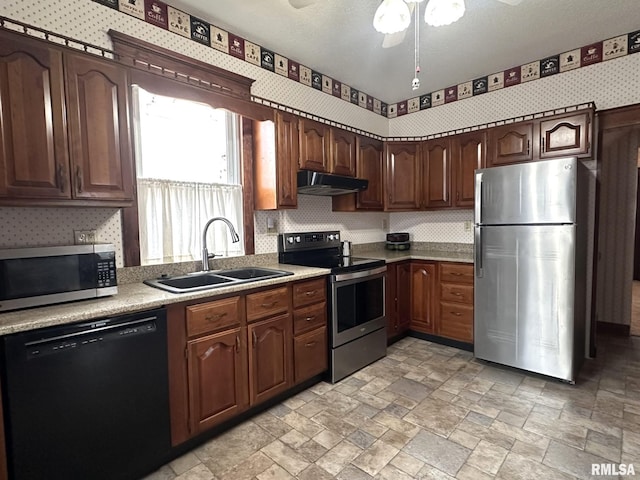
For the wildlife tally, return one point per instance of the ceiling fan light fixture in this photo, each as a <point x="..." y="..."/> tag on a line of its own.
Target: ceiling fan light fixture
<point x="443" y="12"/>
<point x="392" y="16"/>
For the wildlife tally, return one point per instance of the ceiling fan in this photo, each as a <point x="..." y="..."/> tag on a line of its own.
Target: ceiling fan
<point x="393" y="39"/>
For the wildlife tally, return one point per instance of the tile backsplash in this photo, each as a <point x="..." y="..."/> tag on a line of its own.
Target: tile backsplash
<point x="30" y="227"/>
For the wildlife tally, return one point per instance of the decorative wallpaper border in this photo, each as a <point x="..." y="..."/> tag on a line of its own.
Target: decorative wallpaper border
<point x="162" y="15"/>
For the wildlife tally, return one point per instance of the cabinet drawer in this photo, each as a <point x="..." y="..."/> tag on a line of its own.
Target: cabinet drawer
<point x="308" y="318"/>
<point x="306" y="293"/>
<point x="456" y="321"/>
<point x="267" y="303"/>
<point x="452" y="292"/>
<point x="456" y="273"/>
<point x="310" y="354"/>
<point x="212" y="316"/>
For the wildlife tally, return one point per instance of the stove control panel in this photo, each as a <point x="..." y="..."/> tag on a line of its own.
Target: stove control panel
<point x="308" y="241"/>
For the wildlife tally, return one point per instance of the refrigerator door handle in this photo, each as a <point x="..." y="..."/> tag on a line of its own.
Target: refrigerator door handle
<point x="478" y="251"/>
<point x="478" y="199"/>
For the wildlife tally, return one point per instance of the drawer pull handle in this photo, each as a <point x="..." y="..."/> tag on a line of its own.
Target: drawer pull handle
<point x="79" y="178"/>
<point x="457" y="294"/>
<point x="312" y="317"/>
<point x="60" y="172"/>
<point x="457" y="314"/>
<point x="217" y="316"/>
<point x="255" y="338"/>
<point x="269" y="305"/>
<point x="310" y="344"/>
<point x="237" y="344"/>
<point x="456" y="274"/>
<point x="310" y="292"/>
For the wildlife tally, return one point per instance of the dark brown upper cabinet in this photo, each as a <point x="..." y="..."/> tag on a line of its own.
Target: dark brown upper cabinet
<point x="343" y="152"/>
<point x="436" y="173"/>
<point x="402" y="176"/>
<point x="315" y="145"/>
<point x="566" y="135"/>
<point x="513" y="143"/>
<point x="468" y="152"/>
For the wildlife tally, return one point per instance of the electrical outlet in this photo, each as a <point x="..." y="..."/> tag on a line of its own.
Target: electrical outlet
<point x="272" y="226"/>
<point x="467" y="226"/>
<point x="84" y="237"/>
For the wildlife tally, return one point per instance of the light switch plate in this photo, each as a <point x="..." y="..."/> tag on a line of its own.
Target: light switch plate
<point x="82" y="237"/>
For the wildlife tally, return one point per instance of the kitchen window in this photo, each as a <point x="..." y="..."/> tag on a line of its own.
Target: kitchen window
<point x="188" y="171"/>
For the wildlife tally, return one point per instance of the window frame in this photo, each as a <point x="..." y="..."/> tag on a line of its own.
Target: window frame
<point x="167" y="73"/>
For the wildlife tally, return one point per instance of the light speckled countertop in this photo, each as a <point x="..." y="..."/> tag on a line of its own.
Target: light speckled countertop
<point x="136" y="296"/>
<point x="133" y="297"/>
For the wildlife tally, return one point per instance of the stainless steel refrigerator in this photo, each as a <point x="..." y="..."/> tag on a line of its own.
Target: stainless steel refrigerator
<point x="530" y="266"/>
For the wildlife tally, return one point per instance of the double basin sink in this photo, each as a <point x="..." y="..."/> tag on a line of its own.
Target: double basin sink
<point x="221" y="278"/>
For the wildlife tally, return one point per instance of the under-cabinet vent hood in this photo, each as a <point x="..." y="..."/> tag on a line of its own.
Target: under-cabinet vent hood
<point x="315" y="183"/>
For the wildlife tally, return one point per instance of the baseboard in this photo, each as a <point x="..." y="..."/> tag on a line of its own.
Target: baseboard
<point x="441" y="340"/>
<point x="617" y="329"/>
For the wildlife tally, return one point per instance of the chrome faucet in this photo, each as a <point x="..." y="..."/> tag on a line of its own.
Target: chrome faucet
<point x="205" y="253"/>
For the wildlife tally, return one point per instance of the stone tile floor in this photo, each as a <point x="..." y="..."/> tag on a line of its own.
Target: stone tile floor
<point x="428" y="411"/>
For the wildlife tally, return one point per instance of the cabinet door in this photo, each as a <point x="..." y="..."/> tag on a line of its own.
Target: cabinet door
<point x="402" y="176"/>
<point x="511" y="143"/>
<point x="270" y="358"/>
<point x="315" y="145"/>
<point x="287" y="154"/>
<point x="423" y="290"/>
<point x="217" y="367"/>
<point x="436" y="173"/>
<point x="99" y="136"/>
<point x="369" y="165"/>
<point x="567" y="135"/>
<point x="275" y="159"/>
<point x="343" y="152"/>
<point x="34" y="162"/>
<point x="468" y="152"/>
<point x="456" y="321"/>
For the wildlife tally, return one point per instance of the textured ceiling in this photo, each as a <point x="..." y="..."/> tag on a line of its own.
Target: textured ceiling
<point x="336" y="37"/>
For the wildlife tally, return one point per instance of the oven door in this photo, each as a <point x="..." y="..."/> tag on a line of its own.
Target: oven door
<point x="357" y="304"/>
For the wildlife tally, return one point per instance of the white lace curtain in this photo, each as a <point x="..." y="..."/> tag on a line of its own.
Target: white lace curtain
<point x="173" y="214"/>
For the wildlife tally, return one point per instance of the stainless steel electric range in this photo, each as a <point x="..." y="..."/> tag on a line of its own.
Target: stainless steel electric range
<point x="356" y="291"/>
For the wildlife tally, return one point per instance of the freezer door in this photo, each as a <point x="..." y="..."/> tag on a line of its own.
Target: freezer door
<point x="528" y="193"/>
<point x="524" y="298"/>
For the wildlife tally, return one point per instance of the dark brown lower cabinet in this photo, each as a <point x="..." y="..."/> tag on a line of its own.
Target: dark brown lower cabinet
<point x="270" y="358"/>
<point x="423" y="296"/>
<point x="217" y="378"/>
<point x="398" y="299"/>
<point x="310" y="353"/>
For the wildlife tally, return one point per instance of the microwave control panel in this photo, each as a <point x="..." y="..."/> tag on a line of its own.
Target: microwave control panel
<point x="106" y="269"/>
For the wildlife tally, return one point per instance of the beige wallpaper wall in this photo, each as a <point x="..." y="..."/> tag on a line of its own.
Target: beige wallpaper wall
<point x="609" y="84"/>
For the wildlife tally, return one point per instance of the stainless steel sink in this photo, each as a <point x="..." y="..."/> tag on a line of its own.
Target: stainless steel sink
<point x="209" y="280"/>
<point x="248" y="274"/>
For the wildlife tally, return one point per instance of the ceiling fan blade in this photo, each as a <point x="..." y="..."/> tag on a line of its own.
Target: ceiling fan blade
<point x="511" y="2"/>
<point x="393" y="39"/>
<point x="301" y="3"/>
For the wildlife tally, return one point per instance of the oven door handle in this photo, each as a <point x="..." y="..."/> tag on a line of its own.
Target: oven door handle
<point x="341" y="277"/>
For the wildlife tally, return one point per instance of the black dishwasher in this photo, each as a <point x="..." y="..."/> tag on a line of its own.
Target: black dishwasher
<point x="88" y="400"/>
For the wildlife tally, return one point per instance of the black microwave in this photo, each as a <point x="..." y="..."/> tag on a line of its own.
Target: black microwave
<point x="31" y="277"/>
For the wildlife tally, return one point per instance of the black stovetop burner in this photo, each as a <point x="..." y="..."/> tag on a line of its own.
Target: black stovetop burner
<point x="322" y="250"/>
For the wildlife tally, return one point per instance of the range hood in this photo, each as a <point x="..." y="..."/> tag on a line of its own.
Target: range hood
<point x="316" y="183"/>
